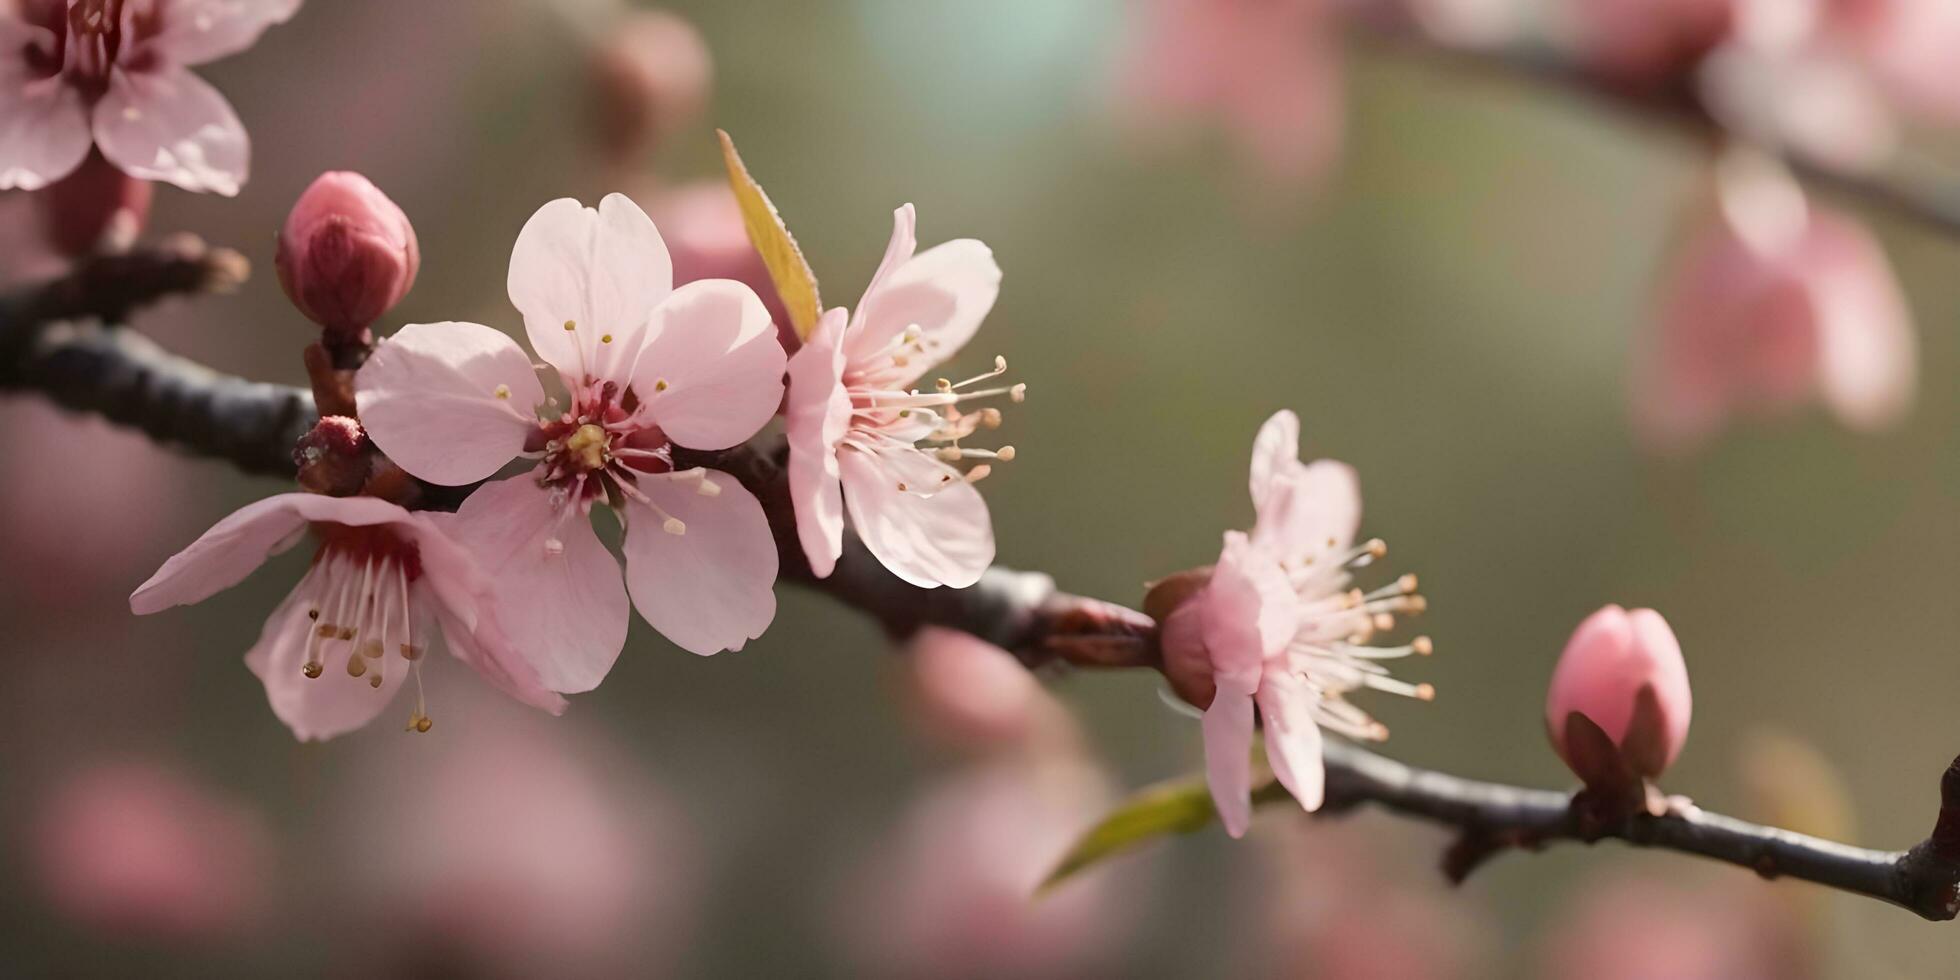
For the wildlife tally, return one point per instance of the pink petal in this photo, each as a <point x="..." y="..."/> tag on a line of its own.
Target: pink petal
<point x="488" y="650"/>
<point x="561" y="601"/>
<point x="817" y="415"/>
<point x="197" y="31"/>
<point x="943" y="539"/>
<point x="233" y="547"/>
<point x="859" y="343"/>
<point x="1228" y="759"/>
<point x="1292" y="738"/>
<point x="946" y="291"/>
<point x="313" y="707"/>
<point x="1275" y="451"/>
<point x="711" y="587"/>
<point x="1310" y="510"/>
<point x="170" y="125"/>
<point x="449" y="402"/>
<point x="1868" y="352"/>
<point x="44" y="130"/>
<point x="711" y="371"/>
<point x="602" y="271"/>
<point x="1250" y="613"/>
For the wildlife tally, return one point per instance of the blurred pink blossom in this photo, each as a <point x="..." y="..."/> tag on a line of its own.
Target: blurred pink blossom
<point x="648" y="367"/>
<point x="138" y="848"/>
<point x="1649" y="42"/>
<point x="1611" y="659"/>
<point x="862" y="437"/>
<point x="1268" y="70"/>
<point x="1771" y="303"/>
<point x="334" y="653"/>
<point x="950" y="891"/>
<point x="115" y="74"/>
<point x="971" y="693"/>
<point x="650" y="75"/>
<point x="1278" y="626"/>
<point x="1633" y="928"/>
<point x="523" y="848"/>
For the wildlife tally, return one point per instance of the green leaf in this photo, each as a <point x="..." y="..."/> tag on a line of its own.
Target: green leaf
<point x="795" y="283"/>
<point x="1178" y="806"/>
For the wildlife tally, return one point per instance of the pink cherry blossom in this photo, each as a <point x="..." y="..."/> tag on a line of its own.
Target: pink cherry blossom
<point x="648" y="368"/>
<point x="1269" y="70"/>
<point x="347" y="254"/>
<point x="1611" y="657"/>
<point x="1279" y="627"/>
<point x="382" y="582"/>
<point x="115" y="74"/>
<point x="1623" y="926"/>
<point x="1649" y="41"/>
<point x="702" y="225"/>
<point x="1773" y="303"/>
<point x="972" y="694"/>
<point x="863" y="440"/>
<point x="950" y="890"/>
<point x="140" y="848"/>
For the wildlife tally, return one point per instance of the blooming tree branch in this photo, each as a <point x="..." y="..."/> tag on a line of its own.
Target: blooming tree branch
<point x="1915" y="190"/>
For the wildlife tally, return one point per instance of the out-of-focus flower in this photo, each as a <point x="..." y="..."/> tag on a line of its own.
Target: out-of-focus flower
<point x="519" y="851"/>
<point x="862" y="438"/>
<point x="138" y="848"/>
<point x="950" y="892"/>
<point x="648" y="367"/>
<point x="650" y="75"/>
<point x="1278" y="625"/>
<point x="115" y="74"/>
<point x="1622" y="671"/>
<point x="1269" y="71"/>
<point x="1632" y="928"/>
<point x="96" y="208"/>
<point x="702" y="225"/>
<point x="1772" y="303"/>
<point x="1338" y="900"/>
<point x="347" y="253"/>
<point x="971" y="693"/>
<point x="334" y="653"/>
<point x="72" y="558"/>
<point x="1648" y="42"/>
<point x="1906" y="45"/>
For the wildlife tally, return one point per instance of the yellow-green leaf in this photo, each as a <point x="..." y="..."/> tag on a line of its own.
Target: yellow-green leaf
<point x="795" y="283"/>
<point x="1178" y="806"/>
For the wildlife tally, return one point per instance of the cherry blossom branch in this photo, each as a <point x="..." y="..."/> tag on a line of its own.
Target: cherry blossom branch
<point x="52" y="342"/>
<point x="1915" y="190"/>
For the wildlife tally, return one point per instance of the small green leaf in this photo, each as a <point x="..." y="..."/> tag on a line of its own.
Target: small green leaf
<point x="1178" y="806"/>
<point x="795" y="283"/>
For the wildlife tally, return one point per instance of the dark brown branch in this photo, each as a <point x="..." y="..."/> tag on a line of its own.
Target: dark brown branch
<point x="1492" y="818"/>
<point x="1924" y="194"/>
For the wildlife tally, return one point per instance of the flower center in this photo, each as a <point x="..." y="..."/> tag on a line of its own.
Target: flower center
<point x="601" y="448"/>
<point x="94" y="37"/>
<point x="361" y="615"/>
<point x="883" y="412"/>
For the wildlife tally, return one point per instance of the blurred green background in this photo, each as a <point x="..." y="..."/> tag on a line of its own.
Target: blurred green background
<point x="1452" y="314"/>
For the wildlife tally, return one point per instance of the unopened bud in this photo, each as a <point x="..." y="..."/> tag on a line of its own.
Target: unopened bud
<point x="649" y="77"/>
<point x="1619" y="701"/>
<point x="347" y="254"/>
<point x="95" y="209"/>
<point x="332" y="457"/>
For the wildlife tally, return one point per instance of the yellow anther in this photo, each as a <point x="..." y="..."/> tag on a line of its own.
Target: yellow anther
<point x="587" y="446"/>
<point x="311" y="669"/>
<point x="571" y="325"/>
<point x="503" y="391"/>
<point x="1005" y="454"/>
<point x="1422" y="646"/>
<point x="356" y="666"/>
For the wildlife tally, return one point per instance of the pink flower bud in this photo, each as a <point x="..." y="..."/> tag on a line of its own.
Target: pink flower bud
<point x="1622" y="672"/>
<point x="347" y="253"/>
<point x="96" y="208"/>
<point x="332" y="457"/>
<point x="650" y="77"/>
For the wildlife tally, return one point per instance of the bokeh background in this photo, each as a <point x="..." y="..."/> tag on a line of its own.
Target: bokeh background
<point x="1452" y="312"/>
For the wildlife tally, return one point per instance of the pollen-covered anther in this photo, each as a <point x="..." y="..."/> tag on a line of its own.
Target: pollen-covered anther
<point x="1376" y="549"/>
<point x="418" y="722"/>
<point x="411" y="652"/>
<point x="1425" y="692"/>
<point x="978" y="473"/>
<point x="674" y="526"/>
<point x="312" y="669"/>
<point x="1421" y="646"/>
<point x="356" y="665"/>
<point x="503" y="392"/>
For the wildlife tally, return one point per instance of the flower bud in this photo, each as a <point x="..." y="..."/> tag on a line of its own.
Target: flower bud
<point x="97" y="208"/>
<point x="1619" y="702"/>
<point x="332" y="457"/>
<point x="649" y="77"/>
<point x="347" y="254"/>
